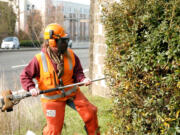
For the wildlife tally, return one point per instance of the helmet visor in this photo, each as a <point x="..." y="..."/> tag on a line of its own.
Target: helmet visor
<point x="65" y="36"/>
<point x="62" y="45"/>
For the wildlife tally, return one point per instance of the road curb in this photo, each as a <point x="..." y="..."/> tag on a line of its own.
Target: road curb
<point x="80" y="48"/>
<point x="20" y="50"/>
<point x="33" y="49"/>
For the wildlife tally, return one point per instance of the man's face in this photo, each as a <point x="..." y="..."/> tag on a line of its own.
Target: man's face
<point x="62" y="45"/>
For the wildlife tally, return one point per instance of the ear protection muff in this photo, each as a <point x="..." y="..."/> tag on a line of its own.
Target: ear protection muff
<point x="52" y="41"/>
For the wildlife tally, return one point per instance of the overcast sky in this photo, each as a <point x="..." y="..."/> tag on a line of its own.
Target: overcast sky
<point x="87" y="2"/>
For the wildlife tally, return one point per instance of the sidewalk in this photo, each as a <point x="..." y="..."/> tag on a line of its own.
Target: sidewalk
<point x="80" y="45"/>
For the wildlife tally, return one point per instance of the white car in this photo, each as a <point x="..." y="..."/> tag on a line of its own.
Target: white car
<point x="10" y="43"/>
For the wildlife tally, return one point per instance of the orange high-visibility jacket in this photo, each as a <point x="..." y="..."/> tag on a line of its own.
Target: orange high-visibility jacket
<point x="48" y="74"/>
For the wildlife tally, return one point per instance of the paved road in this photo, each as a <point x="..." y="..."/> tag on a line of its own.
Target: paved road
<point x="11" y="65"/>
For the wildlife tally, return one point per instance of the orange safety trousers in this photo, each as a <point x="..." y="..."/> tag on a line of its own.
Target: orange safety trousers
<point x="55" y="110"/>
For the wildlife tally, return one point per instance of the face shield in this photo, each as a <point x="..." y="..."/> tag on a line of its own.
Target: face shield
<point x="62" y="45"/>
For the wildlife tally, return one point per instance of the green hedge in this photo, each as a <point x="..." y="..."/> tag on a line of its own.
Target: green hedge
<point x="143" y="65"/>
<point x="30" y="43"/>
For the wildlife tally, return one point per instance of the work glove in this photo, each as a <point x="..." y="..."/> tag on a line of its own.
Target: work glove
<point x="34" y="92"/>
<point x="87" y="81"/>
<point x="7" y="104"/>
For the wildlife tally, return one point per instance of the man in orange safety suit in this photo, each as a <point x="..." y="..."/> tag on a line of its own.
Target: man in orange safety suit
<point x="57" y="65"/>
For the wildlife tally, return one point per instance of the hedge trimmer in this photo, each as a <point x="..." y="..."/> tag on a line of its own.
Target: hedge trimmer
<point x="9" y="98"/>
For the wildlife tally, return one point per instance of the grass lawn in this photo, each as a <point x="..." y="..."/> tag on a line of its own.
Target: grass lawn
<point x="74" y="123"/>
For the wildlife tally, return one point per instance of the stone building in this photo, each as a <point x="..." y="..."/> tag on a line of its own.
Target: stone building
<point x="98" y="48"/>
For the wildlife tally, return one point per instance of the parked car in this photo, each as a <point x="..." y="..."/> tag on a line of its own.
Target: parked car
<point x="70" y="43"/>
<point x="10" y="43"/>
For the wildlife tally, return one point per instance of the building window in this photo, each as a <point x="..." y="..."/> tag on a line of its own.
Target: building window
<point x="81" y="15"/>
<point x="80" y="10"/>
<point x="28" y="7"/>
<point x="70" y="15"/>
<point x="85" y="11"/>
<point x="33" y="6"/>
<point x="74" y="15"/>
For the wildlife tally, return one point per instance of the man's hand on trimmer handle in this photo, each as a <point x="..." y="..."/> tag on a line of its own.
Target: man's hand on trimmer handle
<point x="34" y="92"/>
<point x="87" y="81"/>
